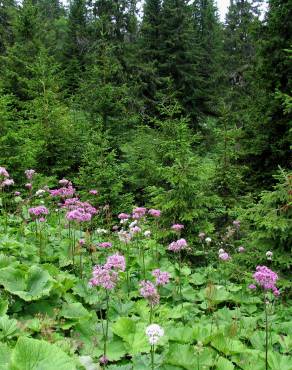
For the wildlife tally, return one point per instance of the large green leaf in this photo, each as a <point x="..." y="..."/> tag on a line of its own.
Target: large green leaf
<point x="5" y="353"/>
<point x="74" y="311"/>
<point x="33" y="354"/>
<point x="133" y="335"/>
<point x="226" y="345"/>
<point x="279" y="362"/>
<point x="8" y="328"/>
<point x="29" y="285"/>
<point x="224" y="364"/>
<point x="187" y="357"/>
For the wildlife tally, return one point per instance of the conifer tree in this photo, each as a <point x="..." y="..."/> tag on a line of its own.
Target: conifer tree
<point x="149" y="55"/>
<point x="178" y="55"/>
<point x="76" y="45"/>
<point x="7" y="13"/>
<point x="208" y="35"/>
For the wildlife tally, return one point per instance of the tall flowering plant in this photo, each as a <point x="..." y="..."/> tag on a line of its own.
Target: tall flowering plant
<point x="106" y="276"/>
<point x="266" y="280"/>
<point x="38" y="214"/>
<point x="177" y="247"/>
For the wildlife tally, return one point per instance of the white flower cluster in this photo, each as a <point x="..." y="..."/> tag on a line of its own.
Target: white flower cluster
<point x="154" y="332"/>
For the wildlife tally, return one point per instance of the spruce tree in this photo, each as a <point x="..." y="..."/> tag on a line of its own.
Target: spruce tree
<point x="179" y="55"/>
<point x="208" y="35"/>
<point x="7" y="13"/>
<point x="76" y="45"/>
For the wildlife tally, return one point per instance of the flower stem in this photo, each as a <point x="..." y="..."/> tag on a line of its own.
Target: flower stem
<point x="266" y="322"/>
<point x="152" y="357"/>
<point x="106" y="330"/>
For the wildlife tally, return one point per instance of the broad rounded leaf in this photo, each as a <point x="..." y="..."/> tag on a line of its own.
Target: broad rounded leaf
<point x="33" y="354"/>
<point x="30" y="285"/>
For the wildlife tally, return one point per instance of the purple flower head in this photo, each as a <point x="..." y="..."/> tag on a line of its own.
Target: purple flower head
<point x="78" y="215"/>
<point x="42" y="219"/>
<point x="4" y="172"/>
<point x="177" y="245"/>
<point x="135" y="230"/>
<point x="124" y="216"/>
<point x="105" y="245"/>
<point x="202" y="236"/>
<point x="17" y="193"/>
<point x="38" y="211"/>
<point x="29" y="174"/>
<point x="177" y="227"/>
<point x="252" y="286"/>
<point x="148" y="291"/>
<point x="241" y="249"/>
<point x="224" y="256"/>
<point x="64" y="192"/>
<point x="28" y="185"/>
<point x="81" y="242"/>
<point x="154" y="212"/>
<point x="139" y="212"/>
<point x="236" y="223"/>
<point x="93" y="192"/>
<point x="276" y="292"/>
<point x="103" y="277"/>
<point x="7" y="182"/>
<point x="103" y="360"/>
<point x="162" y="277"/>
<point x="116" y="262"/>
<point x="265" y="278"/>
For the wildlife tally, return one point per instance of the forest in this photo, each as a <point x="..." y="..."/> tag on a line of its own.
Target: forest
<point x="145" y="185"/>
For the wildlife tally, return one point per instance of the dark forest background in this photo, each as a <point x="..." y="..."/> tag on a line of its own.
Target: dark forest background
<point x="171" y="109"/>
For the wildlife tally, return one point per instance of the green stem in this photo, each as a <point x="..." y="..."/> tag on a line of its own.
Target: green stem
<point x="127" y="272"/>
<point x="143" y="261"/>
<point x="151" y="313"/>
<point x="266" y="319"/>
<point x="106" y="329"/>
<point x="179" y="274"/>
<point x="152" y="356"/>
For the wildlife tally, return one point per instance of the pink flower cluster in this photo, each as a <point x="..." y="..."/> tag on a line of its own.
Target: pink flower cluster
<point x="93" y="192"/>
<point x="116" y="262"/>
<point x="124" y="216"/>
<point x="266" y="279"/>
<point x="224" y="256"/>
<point x="149" y="291"/>
<point x="38" y="211"/>
<point x="7" y="182"/>
<point x="4" y="178"/>
<point x="177" y="227"/>
<point x="135" y="230"/>
<point x="105" y="245"/>
<point x="78" y="215"/>
<point x="66" y="191"/>
<point x="29" y="174"/>
<point x="139" y="212"/>
<point x="162" y="277"/>
<point x="79" y="211"/>
<point x="154" y="212"/>
<point x="106" y="276"/>
<point x="3" y="172"/>
<point x="74" y="203"/>
<point x="177" y="245"/>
